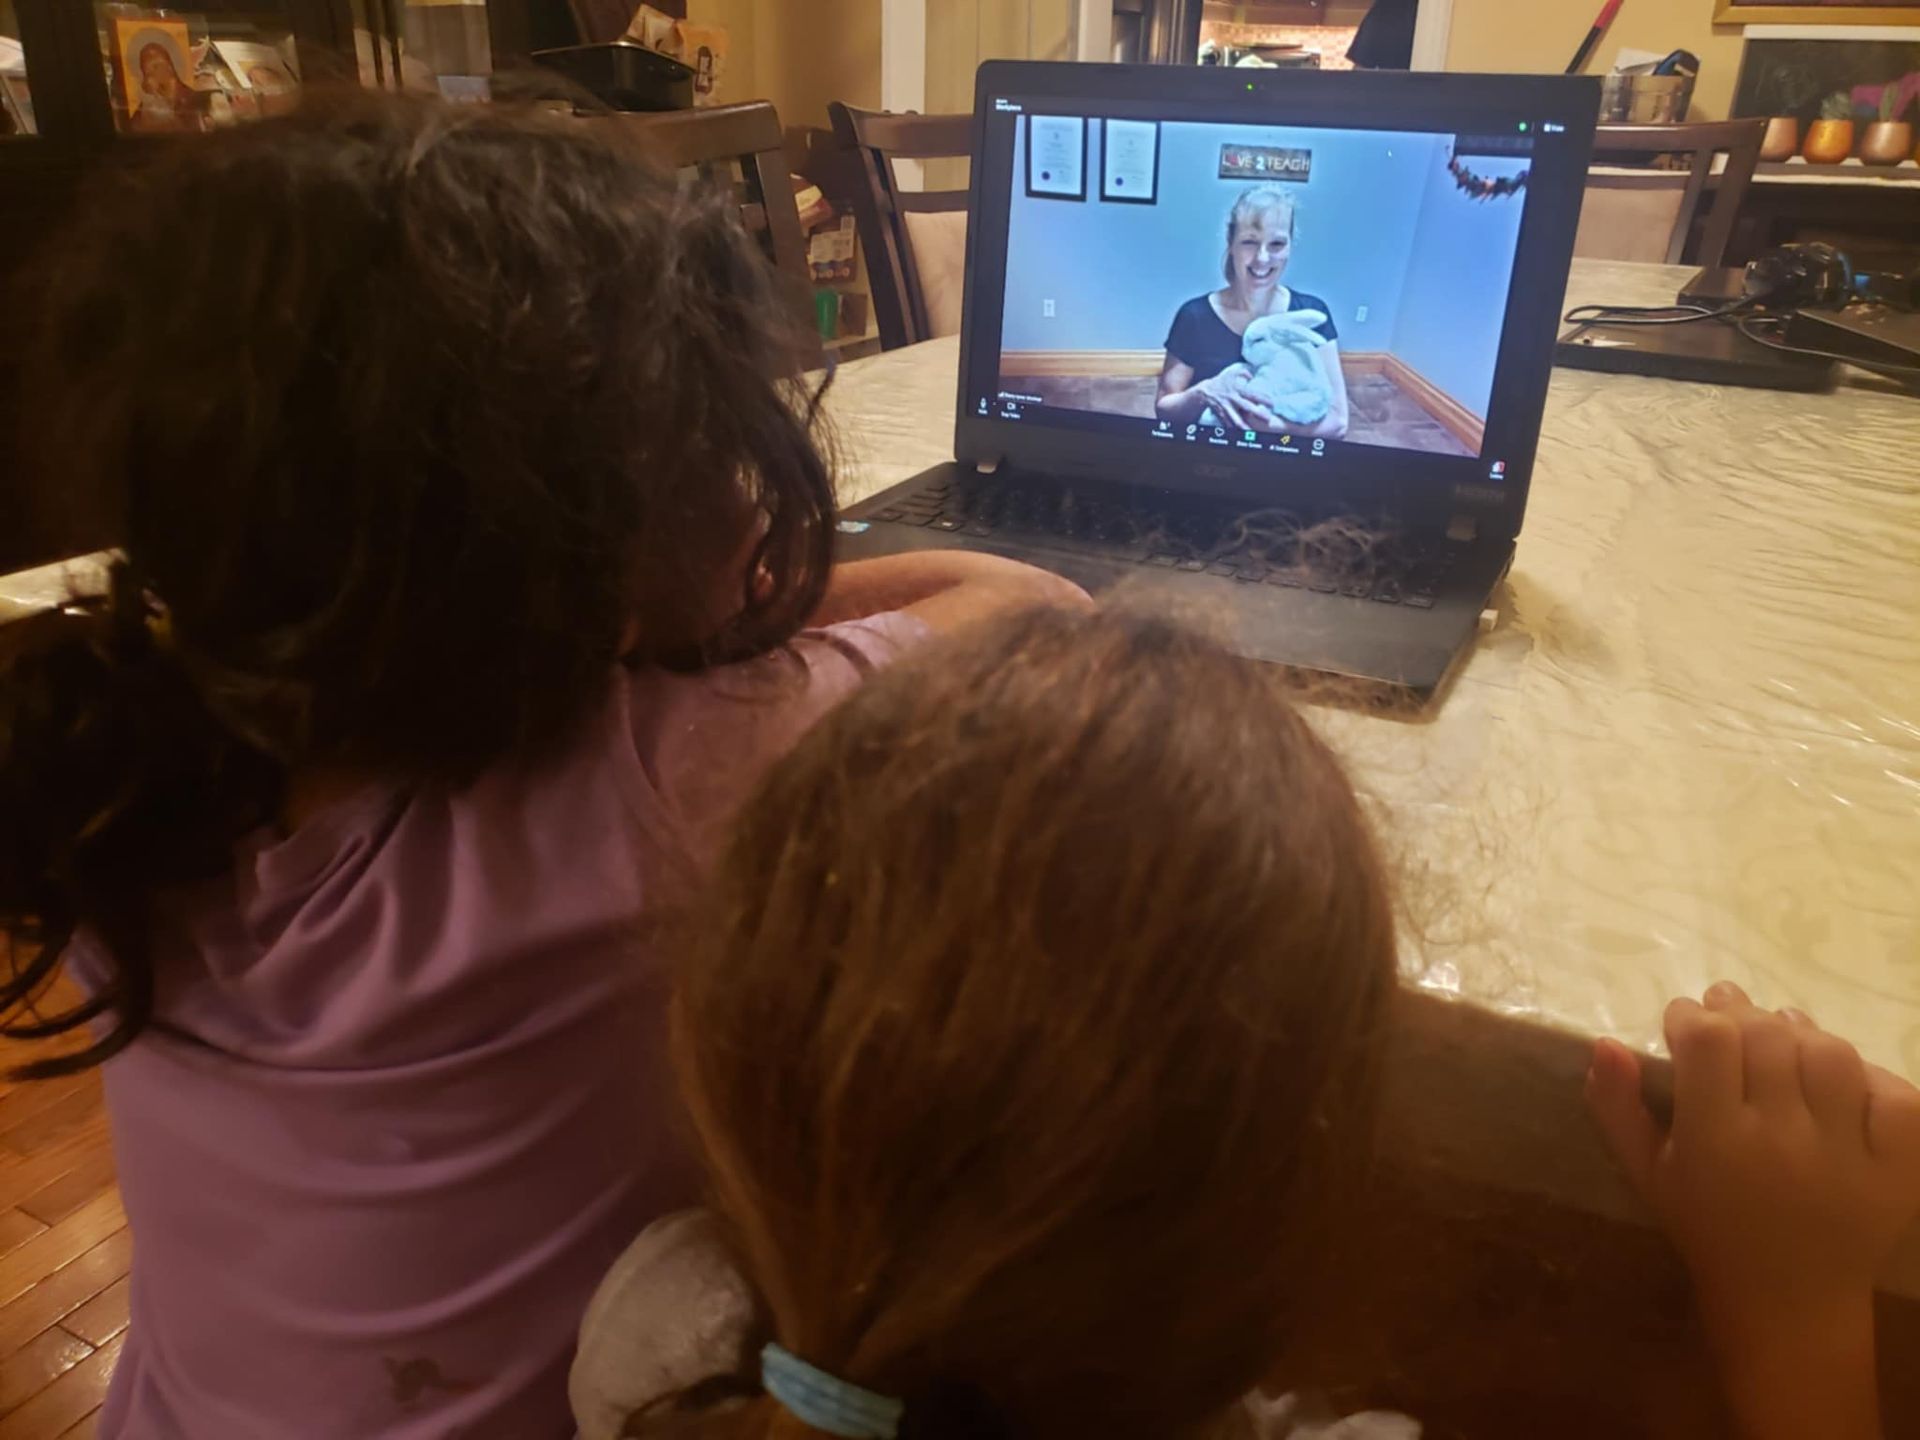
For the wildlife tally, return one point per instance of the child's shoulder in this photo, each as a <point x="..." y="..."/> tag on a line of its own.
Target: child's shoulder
<point x="815" y="664"/>
<point x="672" y="1312"/>
<point x="702" y="738"/>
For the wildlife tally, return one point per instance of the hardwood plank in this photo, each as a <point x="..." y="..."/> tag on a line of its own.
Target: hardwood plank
<point x="57" y="1199"/>
<point x="68" y="1400"/>
<point x="87" y="1429"/>
<point x="102" y="1317"/>
<point x="23" y="1102"/>
<point x="65" y="1290"/>
<point x="66" y="1116"/>
<point x="71" y="1238"/>
<point x="36" y="1365"/>
<point x="16" y="1228"/>
<point x="21" y="1175"/>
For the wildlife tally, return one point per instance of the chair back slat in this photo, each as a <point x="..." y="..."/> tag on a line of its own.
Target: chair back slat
<point x="1738" y="140"/>
<point x="931" y="201"/>
<point x="876" y="141"/>
<point x="747" y="139"/>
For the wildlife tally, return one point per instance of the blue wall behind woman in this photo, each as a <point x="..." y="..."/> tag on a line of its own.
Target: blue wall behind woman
<point x="1117" y="272"/>
<point x="1455" y="295"/>
<point x="1375" y="222"/>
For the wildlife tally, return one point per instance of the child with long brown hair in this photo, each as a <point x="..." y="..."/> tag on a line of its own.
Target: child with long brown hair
<point x="1030" y="1046"/>
<point x="473" y="560"/>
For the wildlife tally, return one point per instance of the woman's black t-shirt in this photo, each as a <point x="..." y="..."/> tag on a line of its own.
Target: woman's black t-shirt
<point x="1200" y="338"/>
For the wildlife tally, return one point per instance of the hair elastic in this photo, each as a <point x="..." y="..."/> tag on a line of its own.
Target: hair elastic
<point x="826" y="1402"/>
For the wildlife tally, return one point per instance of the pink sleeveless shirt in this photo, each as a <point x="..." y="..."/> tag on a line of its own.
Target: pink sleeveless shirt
<point x="403" y="1101"/>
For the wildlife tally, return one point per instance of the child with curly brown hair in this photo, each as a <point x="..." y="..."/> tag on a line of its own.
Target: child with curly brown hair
<point x="472" y="564"/>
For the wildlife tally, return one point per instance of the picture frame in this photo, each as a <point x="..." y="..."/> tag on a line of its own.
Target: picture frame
<point x="1057" y="157"/>
<point x="264" y="71"/>
<point x="17" y="100"/>
<point x="1130" y="162"/>
<point x="1748" y="12"/>
<point x="1790" y="72"/>
<point x="153" y="68"/>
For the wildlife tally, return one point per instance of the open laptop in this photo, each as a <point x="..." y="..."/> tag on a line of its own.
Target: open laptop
<point x="1430" y="218"/>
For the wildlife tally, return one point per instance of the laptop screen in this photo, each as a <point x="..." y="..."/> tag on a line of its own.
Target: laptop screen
<point x="1211" y="277"/>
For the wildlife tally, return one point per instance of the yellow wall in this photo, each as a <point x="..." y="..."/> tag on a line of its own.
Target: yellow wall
<point x="799" y="56"/>
<point x="962" y="33"/>
<point x="1540" y="36"/>
<point x="739" y="81"/>
<point x="820" y="51"/>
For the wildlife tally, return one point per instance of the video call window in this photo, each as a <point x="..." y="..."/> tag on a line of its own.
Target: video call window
<point x="1328" y="284"/>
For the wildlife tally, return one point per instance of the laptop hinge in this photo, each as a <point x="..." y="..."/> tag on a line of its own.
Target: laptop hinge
<point x="1463" y="529"/>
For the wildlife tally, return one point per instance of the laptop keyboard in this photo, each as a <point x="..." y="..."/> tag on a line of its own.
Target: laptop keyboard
<point x="1255" y="548"/>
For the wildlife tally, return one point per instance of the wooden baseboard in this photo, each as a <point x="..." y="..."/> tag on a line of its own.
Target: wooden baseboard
<point x="1131" y="364"/>
<point x="1468" y="428"/>
<point x="1121" y="364"/>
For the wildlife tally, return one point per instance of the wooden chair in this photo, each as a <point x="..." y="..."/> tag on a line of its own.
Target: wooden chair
<point x="1648" y="214"/>
<point x="915" y="239"/>
<point x="740" y="147"/>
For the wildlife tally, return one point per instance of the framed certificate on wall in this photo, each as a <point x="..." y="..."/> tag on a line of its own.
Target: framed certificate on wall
<point x="1130" y="161"/>
<point x="1057" y="157"/>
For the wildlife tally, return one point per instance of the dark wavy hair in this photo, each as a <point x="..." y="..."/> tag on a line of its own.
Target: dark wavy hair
<point x="408" y="421"/>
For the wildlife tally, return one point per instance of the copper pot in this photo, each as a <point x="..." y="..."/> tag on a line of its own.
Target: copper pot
<point x="1782" y="140"/>
<point x="1829" y="141"/>
<point x="1886" y="142"/>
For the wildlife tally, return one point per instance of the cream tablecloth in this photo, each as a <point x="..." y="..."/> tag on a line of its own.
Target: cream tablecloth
<point x="1691" y="746"/>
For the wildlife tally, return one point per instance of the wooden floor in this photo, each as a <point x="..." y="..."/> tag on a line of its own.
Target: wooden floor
<point x="64" y="1252"/>
<point x="1381" y="412"/>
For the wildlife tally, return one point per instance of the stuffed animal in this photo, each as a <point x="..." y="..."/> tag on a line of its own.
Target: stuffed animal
<point x="1280" y="363"/>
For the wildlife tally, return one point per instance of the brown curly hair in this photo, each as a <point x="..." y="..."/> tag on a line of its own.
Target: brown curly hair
<point x="1031" y="1046"/>
<point x="409" y="420"/>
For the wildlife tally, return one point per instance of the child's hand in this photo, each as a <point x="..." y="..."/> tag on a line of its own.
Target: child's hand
<point x="1789" y="1172"/>
<point x="1791" y="1167"/>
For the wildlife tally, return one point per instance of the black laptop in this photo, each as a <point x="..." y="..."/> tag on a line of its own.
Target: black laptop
<point x="1325" y="427"/>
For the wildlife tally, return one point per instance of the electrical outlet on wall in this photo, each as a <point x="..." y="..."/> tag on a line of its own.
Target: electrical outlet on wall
<point x="1046" y="309"/>
<point x="1360" y="316"/>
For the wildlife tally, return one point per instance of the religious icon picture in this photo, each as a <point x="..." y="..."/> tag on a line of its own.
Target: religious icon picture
<point x="265" y="71"/>
<point x="16" y="105"/>
<point x="153" y="65"/>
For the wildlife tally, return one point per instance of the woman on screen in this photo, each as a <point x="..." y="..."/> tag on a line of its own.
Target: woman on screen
<point x="1205" y="369"/>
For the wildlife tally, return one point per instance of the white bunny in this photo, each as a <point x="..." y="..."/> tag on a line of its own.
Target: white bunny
<point x="1280" y="363"/>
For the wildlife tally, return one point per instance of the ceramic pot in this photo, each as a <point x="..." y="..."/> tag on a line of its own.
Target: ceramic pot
<point x="1886" y="142"/>
<point x="1829" y="141"/>
<point x="1782" y="140"/>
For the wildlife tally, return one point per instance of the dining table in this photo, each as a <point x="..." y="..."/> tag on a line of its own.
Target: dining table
<point x="1685" y="746"/>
